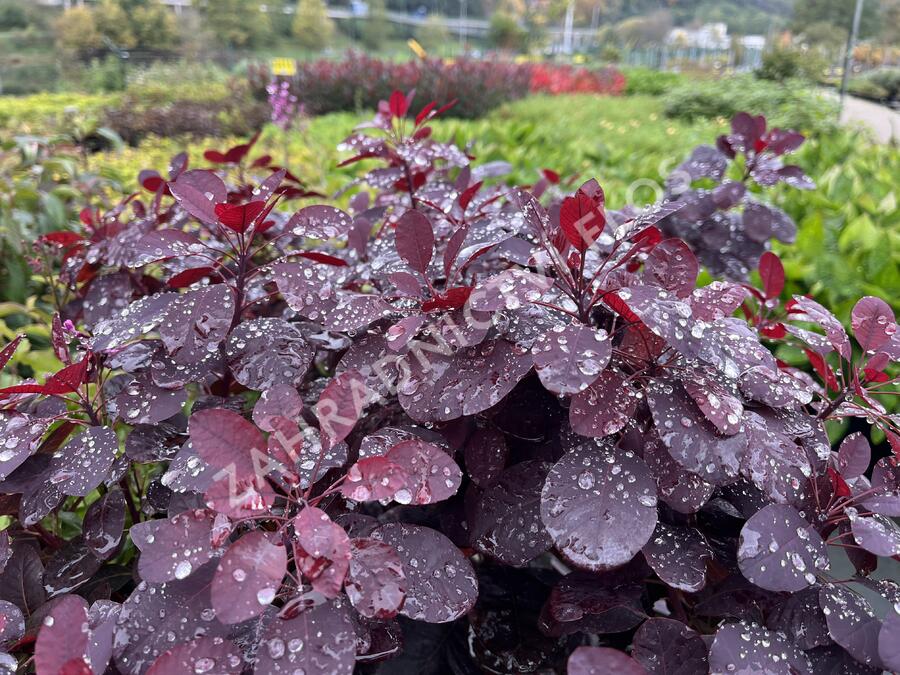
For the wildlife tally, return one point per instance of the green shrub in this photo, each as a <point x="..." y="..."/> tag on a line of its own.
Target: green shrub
<point x="882" y="85"/>
<point x="783" y="64"/>
<point x="649" y="82"/>
<point x="789" y="104"/>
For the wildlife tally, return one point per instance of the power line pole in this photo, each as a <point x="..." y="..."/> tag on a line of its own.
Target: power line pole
<point x="567" y="27"/>
<point x="848" y="54"/>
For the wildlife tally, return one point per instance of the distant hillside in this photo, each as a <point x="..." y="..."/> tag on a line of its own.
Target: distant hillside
<point x="742" y="16"/>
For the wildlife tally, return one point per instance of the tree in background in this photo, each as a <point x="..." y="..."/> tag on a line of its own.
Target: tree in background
<point x="433" y="34"/>
<point x="506" y="33"/>
<point x="113" y="23"/>
<point x="19" y="15"/>
<point x="155" y="26"/>
<point x="312" y="27"/>
<point x="376" y="29"/>
<point x="839" y="13"/>
<point x="76" y="31"/>
<point x="237" y="23"/>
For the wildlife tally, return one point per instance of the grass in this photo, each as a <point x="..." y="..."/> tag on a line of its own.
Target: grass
<point x="618" y="140"/>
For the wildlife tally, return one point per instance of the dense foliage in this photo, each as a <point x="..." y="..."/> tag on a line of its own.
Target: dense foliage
<point x="459" y="426"/>
<point x="360" y="82"/>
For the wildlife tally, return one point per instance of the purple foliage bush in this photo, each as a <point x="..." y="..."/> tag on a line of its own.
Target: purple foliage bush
<point x="458" y="427"/>
<point x="360" y="82"/>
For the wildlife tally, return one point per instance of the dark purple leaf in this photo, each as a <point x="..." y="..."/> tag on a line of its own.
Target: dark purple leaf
<point x="682" y="490"/>
<point x="810" y="310"/>
<point x="62" y="643"/>
<point x="263" y="353"/>
<point x="889" y="641"/>
<point x="198" y="191"/>
<point x="876" y="533"/>
<point x="595" y="480"/>
<point x="20" y="436"/>
<point x="174" y="548"/>
<point x="440" y="582"/>
<point x="506" y="523"/>
<point x="717" y="300"/>
<point x="748" y="648"/>
<point x="143" y="402"/>
<point x="718" y="403"/>
<point x="21" y="581"/>
<point x="569" y="358"/>
<point x="873" y="323"/>
<point x="668" y="647"/>
<point x="376" y="583"/>
<point x="485" y="455"/>
<point x="157" y="616"/>
<point x="854" y="456"/>
<point x="800" y="617"/>
<point x="80" y="466"/>
<point x="474" y="379"/>
<point x="165" y="244"/>
<point x="318" y="640"/>
<point x="104" y="523"/>
<point x="197" y="321"/>
<point x="886" y="486"/>
<point x="689" y="438"/>
<point x="595" y="603"/>
<point x="510" y="289"/>
<point x="678" y="555"/>
<point x="851" y="623"/>
<point x="320" y="222"/>
<point x="602" y="661"/>
<point x="247" y="578"/>
<point x="672" y="265"/>
<point x="278" y="402"/>
<point x="605" y="407"/>
<point x="415" y="240"/>
<point x="12" y="623"/>
<point x="139" y="318"/>
<point x="213" y="655"/>
<point x="780" y="551"/>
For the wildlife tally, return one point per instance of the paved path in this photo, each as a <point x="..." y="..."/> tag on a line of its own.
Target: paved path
<point x="884" y="122"/>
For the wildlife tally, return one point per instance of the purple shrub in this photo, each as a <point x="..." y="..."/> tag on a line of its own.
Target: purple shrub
<point x="456" y="427"/>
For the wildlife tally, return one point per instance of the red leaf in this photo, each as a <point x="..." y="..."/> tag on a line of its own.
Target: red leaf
<point x="771" y="271"/>
<point x="467" y="195"/>
<point x="261" y="161"/>
<point x="340" y="406"/>
<point x="551" y="176"/>
<point x="323" y="258"/>
<point x="7" y="352"/>
<point x="453" y="298"/>
<point x="398" y="105"/>
<point x="423" y="113"/>
<point x="62" y="238"/>
<point x="581" y="219"/>
<point x="841" y="489"/>
<point x="238" y="217"/>
<point x="823" y="369"/>
<point x="322" y="551"/>
<point x="188" y="277"/>
<point x="373" y="479"/>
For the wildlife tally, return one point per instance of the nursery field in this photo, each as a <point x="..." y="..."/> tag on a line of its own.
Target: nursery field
<point x="569" y="378"/>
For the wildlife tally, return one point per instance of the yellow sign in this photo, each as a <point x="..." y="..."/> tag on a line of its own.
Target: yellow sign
<point x="416" y="48"/>
<point x="284" y="67"/>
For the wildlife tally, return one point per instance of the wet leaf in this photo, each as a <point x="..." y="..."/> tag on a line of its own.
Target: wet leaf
<point x="599" y="506"/>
